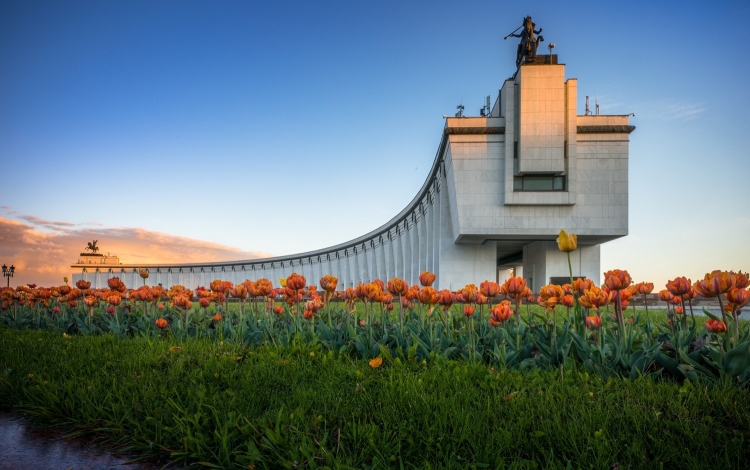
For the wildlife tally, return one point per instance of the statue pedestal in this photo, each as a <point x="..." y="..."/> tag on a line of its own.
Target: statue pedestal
<point x="97" y="258"/>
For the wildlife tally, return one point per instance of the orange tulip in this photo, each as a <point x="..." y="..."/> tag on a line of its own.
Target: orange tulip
<point x="679" y="311"/>
<point x="593" y="322"/>
<point x="296" y="281"/>
<point x="742" y="280"/>
<point x="238" y="292"/>
<point x="263" y="287"/>
<point x="582" y="285"/>
<point x="114" y="299"/>
<point x="329" y="283"/>
<point x="314" y="304"/>
<point x="549" y="291"/>
<point x="594" y="298"/>
<point x="469" y="293"/>
<point x="161" y="323"/>
<point x="377" y="362"/>
<point x="217" y="317"/>
<point x="500" y="313"/>
<point x="205" y="302"/>
<point x="143" y="273"/>
<point x="644" y="288"/>
<point x="468" y="310"/>
<point x="446" y="298"/>
<point x="115" y="284"/>
<point x="617" y="279"/>
<point x="83" y="285"/>
<point x="397" y="286"/>
<point x="278" y="310"/>
<point x="489" y="288"/>
<point x="428" y="296"/>
<point x="715" y="283"/>
<point x="413" y="293"/>
<point x="568" y="301"/>
<point x="679" y="286"/>
<point x="215" y="286"/>
<point x="715" y="326"/>
<point x="567" y="289"/>
<point x="738" y="297"/>
<point x="665" y="295"/>
<point x="426" y="278"/>
<point x="514" y="288"/>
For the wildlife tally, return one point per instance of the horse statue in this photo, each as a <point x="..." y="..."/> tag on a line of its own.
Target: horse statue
<point x="92" y="246"/>
<point x="529" y="42"/>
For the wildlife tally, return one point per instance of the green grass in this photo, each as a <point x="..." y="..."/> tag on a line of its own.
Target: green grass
<point x="299" y="407"/>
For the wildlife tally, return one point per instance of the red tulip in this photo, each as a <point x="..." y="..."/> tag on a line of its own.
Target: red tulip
<point x="568" y="301"/>
<point x="205" y="302"/>
<point x="715" y="326"/>
<point x="468" y="310"/>
<point x="593" y="322"/>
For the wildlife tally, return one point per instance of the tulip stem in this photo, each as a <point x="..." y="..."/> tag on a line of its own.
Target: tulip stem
<point x="518" y="326"/>
<point x="648" y="318"/>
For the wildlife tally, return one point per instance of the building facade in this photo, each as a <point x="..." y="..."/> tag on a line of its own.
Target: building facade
<point x="499" y="190"/>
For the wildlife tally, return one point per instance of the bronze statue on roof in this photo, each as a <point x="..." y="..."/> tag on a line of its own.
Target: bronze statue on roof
<point x="529" y="42"/>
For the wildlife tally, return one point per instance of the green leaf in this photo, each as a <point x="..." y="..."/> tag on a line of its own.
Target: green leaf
<point x="737" y="360"/>
<point x="710" y="314"/>
<point x="537" y="434"/>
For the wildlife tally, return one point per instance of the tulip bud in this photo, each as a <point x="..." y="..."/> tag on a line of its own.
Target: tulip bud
<point x="567" y="242"/>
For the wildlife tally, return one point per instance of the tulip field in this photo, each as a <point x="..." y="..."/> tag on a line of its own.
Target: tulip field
<point x="291" y="374"/>
<point x="503" y="326"/>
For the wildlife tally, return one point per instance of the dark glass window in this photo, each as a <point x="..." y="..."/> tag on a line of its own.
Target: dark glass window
<point x="539" y="183"/>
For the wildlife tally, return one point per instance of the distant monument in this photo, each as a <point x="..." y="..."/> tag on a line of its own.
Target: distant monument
<point x="92" y="247"/>
<point x="527" y="48"/>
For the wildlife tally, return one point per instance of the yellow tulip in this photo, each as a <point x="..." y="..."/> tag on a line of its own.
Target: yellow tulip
<point x="567" y="242"/>
<point x="282" y="281"/>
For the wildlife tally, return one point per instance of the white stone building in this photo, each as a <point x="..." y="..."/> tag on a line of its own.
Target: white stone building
<point x="499" y="191"/>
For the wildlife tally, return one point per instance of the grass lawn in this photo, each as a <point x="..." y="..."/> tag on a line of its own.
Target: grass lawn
<point x="300" y="407"/>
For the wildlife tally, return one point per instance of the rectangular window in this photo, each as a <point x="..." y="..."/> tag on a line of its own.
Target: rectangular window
<point x="539" y="183"/>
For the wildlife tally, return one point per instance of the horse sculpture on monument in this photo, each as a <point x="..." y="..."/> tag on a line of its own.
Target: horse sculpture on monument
<point x="92" y="247"/>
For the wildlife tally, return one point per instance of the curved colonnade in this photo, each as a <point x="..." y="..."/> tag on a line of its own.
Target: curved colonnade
<point x="403" y="247"/>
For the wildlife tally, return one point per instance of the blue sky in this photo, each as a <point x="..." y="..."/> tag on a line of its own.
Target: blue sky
<point x="282" y="127"/>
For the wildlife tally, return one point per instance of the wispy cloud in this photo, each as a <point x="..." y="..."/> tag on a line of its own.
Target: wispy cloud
<point x="44" y="257"/>
<point x="671" y="111"/>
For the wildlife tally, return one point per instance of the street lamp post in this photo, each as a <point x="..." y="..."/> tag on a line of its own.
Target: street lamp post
<point x="8" y="272"/>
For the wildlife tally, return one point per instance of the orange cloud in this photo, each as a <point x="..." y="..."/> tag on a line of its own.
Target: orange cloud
<point x="44" y="258"/>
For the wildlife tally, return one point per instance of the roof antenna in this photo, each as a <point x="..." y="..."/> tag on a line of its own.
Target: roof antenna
<point x="588" y="111"/>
